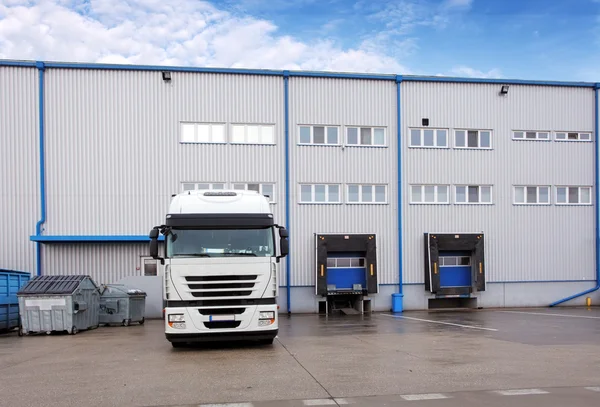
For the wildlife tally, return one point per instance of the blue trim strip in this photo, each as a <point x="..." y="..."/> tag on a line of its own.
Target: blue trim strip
<point x="38" y="226"/>
<point x="28" y="64"/>
<point x="399" y="175"/>
<point x="91" y="238"/>
<point x="343" y="75"/>
<point x="286" y="109"/>
<point x="597" y="186"/>
<point x="416" y="78"/>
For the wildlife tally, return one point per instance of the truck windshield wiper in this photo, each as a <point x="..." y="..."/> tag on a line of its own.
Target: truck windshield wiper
<point x="239" y="254"/>
<point x="193" y="255"/>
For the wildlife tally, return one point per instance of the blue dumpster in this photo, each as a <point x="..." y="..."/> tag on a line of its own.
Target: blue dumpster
<point x="10" y="282"/>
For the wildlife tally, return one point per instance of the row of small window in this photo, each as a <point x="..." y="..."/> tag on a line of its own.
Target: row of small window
<point x="482" y="139"/>
<point x="215" y="133"/>
<point x="446" y="261"/>
<point x="341" y="262"/>
<point x="330" y="136"/>
<point x="331" y="193"/>
<point x="482" y="194"/>
<point x="267" y="190"/>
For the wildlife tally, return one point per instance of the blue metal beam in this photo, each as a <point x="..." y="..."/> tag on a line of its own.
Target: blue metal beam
<point x="399" y="175"/>
<point x="286" y="109"/>
<point x="416" y="78"/>
<point x="38" y="226"/>
<point x="91" y="238"/>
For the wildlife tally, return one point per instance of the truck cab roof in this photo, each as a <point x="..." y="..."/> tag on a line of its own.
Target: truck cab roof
<point x="219" y="201"/>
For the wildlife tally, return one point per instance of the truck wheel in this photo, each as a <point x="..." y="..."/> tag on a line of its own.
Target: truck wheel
<point x="126" y="322"/>
<point x="142" y="321"/>
<point x="74" y="330"/>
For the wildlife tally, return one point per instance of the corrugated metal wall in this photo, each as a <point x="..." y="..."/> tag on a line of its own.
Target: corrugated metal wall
<point x="19" y="166"/>
<point x="342" y="102"/>
<point x="523" y="243"/>
<point x="114" y="156"/>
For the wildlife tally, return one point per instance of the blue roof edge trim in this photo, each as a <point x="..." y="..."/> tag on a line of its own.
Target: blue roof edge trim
<point x="91" y="238"/>
<point x="275" y="72"/>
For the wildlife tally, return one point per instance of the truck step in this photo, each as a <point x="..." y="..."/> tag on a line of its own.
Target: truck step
<point x="349" y="311"/>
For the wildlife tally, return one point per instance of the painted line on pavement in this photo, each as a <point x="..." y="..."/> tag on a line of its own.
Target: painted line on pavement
<point x="441" y="322"/>
<point x="549" y="314"/>
<point x="228" y="405"/>
<point x="593" y="388"/>
<point x="417" y="397"/>
<point x="520" y="392"/>
<point x="325" y="402"/>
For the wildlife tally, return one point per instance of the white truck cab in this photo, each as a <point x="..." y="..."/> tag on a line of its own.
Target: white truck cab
<point x="220" y="267"/>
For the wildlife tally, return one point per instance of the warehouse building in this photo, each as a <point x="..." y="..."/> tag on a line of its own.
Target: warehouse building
<point x="495" y="181"/>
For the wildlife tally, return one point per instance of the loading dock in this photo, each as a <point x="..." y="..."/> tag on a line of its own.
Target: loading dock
<point x="346" y="272"/>
<point x="454" y="268"/>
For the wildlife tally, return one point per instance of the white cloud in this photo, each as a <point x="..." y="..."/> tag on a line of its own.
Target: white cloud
<point x="466" y="71"/>
<point x="458" y="3"/>
<point x="177" y="32"/>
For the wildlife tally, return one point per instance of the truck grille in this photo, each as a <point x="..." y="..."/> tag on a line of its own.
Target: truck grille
<point x="222" y="324"/>
<point x="233" y="286"/>
<point x="221" y="311"/>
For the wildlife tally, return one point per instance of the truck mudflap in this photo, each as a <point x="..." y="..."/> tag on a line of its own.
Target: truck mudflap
<point x="261" y="336"/>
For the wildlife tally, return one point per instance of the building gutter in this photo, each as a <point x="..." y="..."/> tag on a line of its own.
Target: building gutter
<point x="38" y="226"/>
<point x="596" y="187"/>
<point x="399" y="175"/>
<point x="286" y="108"/>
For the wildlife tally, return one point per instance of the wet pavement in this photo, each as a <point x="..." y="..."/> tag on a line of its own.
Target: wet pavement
<point x="543" y="357"/>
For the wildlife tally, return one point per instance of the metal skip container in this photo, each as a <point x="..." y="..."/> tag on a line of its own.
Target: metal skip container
<point x="10" y="283"/>
<point x="121" y="305"/>
<point x="59" y="303"/>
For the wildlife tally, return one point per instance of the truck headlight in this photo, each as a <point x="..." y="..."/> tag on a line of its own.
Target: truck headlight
<point x="176" y="318"/>
<point x="267" y="315"/>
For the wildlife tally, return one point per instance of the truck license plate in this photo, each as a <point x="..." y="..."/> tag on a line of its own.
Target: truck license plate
<point x="221" y="318"/>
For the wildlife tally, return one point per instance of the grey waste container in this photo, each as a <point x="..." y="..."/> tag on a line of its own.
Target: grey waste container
<point x="58" y="303"/>
<point x="121" y="305"/>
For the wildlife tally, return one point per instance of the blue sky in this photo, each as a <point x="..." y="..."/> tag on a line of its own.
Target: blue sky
<point x="530" y="39"/>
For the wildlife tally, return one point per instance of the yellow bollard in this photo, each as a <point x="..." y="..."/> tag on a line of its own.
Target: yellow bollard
<point x="588" y="301"/>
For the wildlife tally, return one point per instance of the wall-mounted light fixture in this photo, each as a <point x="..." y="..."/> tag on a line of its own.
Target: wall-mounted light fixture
<point x="425" y="121"/>
<point x="166" y="75"/>
<point x="504" y="90"/>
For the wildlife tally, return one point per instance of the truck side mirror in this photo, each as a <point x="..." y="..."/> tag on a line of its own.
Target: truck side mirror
<point x="283" y="233"/>
<point x="154" y="243"/>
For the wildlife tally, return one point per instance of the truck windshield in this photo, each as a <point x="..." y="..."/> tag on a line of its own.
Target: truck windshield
<point x="220" y="242"/>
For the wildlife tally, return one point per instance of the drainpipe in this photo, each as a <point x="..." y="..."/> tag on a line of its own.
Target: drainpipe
<point x="286" y="94"/>
<point x="38" y="227"/>
<point x="596" y="182"/>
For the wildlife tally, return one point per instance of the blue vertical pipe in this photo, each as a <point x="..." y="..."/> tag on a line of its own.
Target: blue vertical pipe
<point x="286" y="103"/>
<point x="399" y="169"/>
<point x="38" y="227"/>
<point x="596" y="204"/>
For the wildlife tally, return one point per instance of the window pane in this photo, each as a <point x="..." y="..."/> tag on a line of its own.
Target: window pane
<point x="367" y="193"/>
<point x="252" y="133"/>
<point x="473" y="135"/>
<point x="254" y="187"/>
<point x="203" y="186"/>
<point x="188" y="134"/>
<point x="441" y="138"/>
<point x="530" y="135"/>
<point x="573" y="136"/>
<point x="573" y="195"/>
<point x="218" y="133"/>
<point x="531" y="195"/>
<point x="561" y="136"/>
<point x="305" y="193"/>
<point x="320" y="193"/>
<point x="585" y="136"/>
<point x="267" y="135"/>
<point x="330" y="263"/>
<point x="543" y="136"/>
<point x="365" y="136"/>
<point x="442" y="194"/>
<point x="520" y="194"/>
<point x="518" y="134"/>
<point x="319" y="135"/>
<point x="428" y="138"/>
<point x="473" y="194"/>
<point x="486" y="194"/>
<point x="352" y="136"/>
<point x="416" y="193"/>
<point x="449" y="261"/>
<point x="460" y="138"/>
<point x="343" y="262"/>
<point x="465" y="261"/>
<point x="585" y="196"/>
<point x="353" y="193"/>
<point x="239" y="186"/>
<point x="379" y="137"/>
<point x="332" y="135"/>
<point x="218" y="186"/>
<point x="237" y="133"/>
<point x="305" y="135"/>
<point x="334" y="193"/>
<point x="544" y="195"/>
<point x="461" y="194"/>
<point x="429" y="193"/>
<point x="561" y="195"/>
<point x="189" y="187"/>
<point x="203" y="132"/>
<point x="268" y="190"/>
<point x="380" y="193"/>
<point x="415" y="137"/>
<point x="485" y="139"/>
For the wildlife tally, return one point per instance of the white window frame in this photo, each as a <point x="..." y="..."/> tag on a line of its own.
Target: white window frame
<point x="537" y="187"/>
<point x="435" y="194"/>
<point x="479" y="131"/>
<point x="352" y="260"/>
<point x="260" y="129"/>
<point x="196" y="124"/>
<point x="312" y="135"/>
<point x="479" y="186"/>
<point x="327" y="201"/>
<point x="579" y="133"/>
<point x="360" y="194"/>
<point x="260" y="187"/>
<point x="422" y="137"/>
<point x="580" y="187"/>
<point x="372" y="128"/>
<point x="209" y="183"/>
<point x="536" y="132"/>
